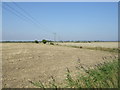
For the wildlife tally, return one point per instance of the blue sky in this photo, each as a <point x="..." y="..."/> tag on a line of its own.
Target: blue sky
<point x="69" y="20"/>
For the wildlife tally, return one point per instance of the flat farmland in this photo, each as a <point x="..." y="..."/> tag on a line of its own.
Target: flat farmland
<point x="22" y="62"/>
<point x="93" y="44"/>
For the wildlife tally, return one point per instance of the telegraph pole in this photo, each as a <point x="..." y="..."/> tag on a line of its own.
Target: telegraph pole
<point x="54" y="37"/>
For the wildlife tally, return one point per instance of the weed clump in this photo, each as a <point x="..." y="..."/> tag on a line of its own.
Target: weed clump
<point x="81" y="47"/>
<point x="51" y="43"/>
<point x="104" y="75"/>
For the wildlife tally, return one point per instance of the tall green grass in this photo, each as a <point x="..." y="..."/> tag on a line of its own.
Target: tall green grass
<point x="104" y="75"/>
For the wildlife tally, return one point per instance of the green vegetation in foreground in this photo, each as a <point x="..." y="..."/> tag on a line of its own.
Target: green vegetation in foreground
<point x="104" y="75"/>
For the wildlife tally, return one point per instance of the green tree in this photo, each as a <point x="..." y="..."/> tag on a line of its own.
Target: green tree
<point x="36" y="41"/>
<point x="44" y="41"/>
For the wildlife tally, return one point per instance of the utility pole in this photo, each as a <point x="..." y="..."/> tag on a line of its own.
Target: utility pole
<point x="54" y="37"/>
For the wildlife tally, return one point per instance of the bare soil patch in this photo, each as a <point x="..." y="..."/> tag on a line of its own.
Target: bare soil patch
<point x="22" y="62"/>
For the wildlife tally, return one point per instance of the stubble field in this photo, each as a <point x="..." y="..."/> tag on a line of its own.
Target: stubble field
<point x="93" y="44"/>
<point x="24" y="62"/>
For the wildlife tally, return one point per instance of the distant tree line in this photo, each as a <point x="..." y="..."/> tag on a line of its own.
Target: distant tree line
<point x="44" y="41"/>
<point x="49" y="41"/>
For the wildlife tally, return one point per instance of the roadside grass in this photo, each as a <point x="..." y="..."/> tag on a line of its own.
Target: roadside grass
<point x="103" y="75"/>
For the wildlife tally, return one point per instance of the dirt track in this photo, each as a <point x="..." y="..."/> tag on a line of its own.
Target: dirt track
<point x="29" y="61"/>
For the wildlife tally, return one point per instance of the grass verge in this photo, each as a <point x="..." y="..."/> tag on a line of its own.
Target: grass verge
<point x="115" y="50"/>
<point x="104" y="75"/>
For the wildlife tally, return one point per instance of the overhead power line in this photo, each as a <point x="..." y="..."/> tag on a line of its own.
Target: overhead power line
<point x="26" y="17"/>
<point x="32" y="18"/>
<point x="20" y="13"/>
<point x="7" y="9"/>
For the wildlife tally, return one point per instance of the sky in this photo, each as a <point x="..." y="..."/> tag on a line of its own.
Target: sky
<point x="77" y="21"/>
